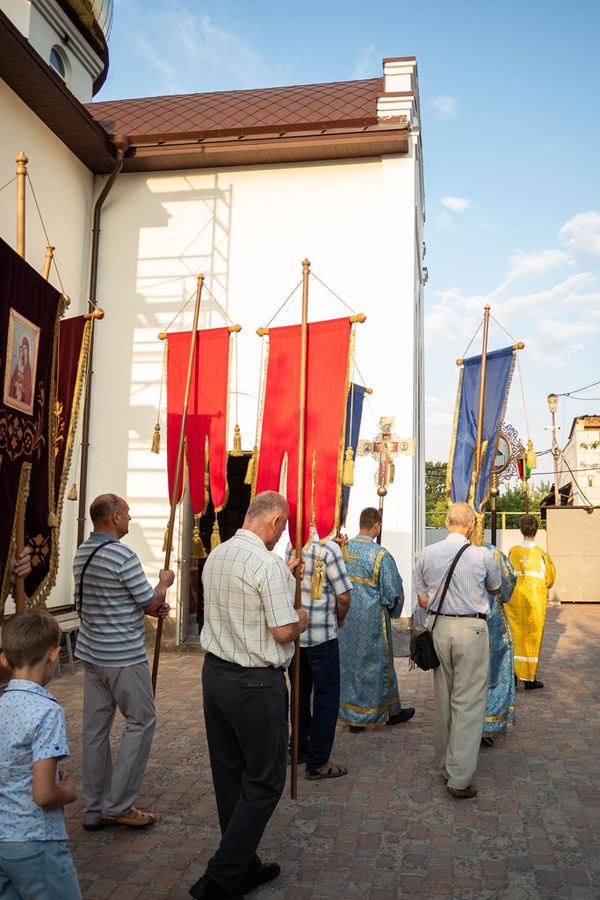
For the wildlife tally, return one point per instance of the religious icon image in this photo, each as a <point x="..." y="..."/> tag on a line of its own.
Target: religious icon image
<point x="21" y="362"/>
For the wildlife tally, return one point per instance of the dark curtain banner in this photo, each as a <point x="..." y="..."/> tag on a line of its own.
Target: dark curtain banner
<point x="70" y="373"/>
<point x="30" y="310"/>
<point x="206" y="428"/>
<point x="326" y="392"/>
<point x="354" y="410"/>
<point x="500" y="364"/>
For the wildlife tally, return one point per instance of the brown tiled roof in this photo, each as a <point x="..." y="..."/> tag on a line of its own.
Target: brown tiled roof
<point x="184" y="116"/>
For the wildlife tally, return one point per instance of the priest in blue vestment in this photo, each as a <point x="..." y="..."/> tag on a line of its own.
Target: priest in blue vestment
<point x="500" y="707"/>
<point x="369" y="687"/>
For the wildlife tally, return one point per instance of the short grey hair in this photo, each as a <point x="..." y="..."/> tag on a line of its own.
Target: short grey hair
<point x="266" y="504"/>
<point x="103" y="507"/>
<point x="459" y="515"/>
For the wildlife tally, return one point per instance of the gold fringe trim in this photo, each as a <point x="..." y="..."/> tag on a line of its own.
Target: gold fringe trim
<point x="316" y="584"/>
<point x="52" y="520"/>
<point x="22" y="494"/>
<point x="251" y="466"/>
<point x="215" y="538"/>
<point x="198" y="550"/>
<point x="155" y="448"/>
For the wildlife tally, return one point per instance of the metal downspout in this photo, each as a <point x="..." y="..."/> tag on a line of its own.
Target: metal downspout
<point x="121" y="144"/>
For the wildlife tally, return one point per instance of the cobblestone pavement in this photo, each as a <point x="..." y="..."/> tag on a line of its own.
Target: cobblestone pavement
<point x="389" y="829"/>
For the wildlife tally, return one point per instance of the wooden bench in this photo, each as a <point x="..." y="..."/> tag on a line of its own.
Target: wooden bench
<point x="69" y="624"/>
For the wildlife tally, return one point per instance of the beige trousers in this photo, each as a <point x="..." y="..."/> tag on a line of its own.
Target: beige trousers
<point x="461" y="684"/>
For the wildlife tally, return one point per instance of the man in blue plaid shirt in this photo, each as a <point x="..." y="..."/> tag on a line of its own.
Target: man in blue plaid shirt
<point x="327" y="602"/>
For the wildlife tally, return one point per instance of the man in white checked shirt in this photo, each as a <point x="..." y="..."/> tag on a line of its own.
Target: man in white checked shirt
<point x="319" y="687"/>
<point x="462" y="644"/>
<point x="250" y="626"/>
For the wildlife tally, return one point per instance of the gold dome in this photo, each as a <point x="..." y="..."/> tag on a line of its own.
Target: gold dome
<point x="94" y="19"/>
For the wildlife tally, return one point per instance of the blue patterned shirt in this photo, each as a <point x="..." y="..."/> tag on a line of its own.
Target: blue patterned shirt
<point x="32" y="728"/>
<point x="115" y="592"/>
<point x="322" y="613"/>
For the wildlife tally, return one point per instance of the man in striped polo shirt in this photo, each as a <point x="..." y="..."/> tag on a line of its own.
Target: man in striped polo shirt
<point x="112" y="597"/>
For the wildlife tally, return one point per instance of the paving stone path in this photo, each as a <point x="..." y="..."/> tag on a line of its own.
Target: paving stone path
<point x="389" y="829"/>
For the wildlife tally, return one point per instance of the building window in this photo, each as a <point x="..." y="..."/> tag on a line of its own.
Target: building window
<point x="57" y="61"/>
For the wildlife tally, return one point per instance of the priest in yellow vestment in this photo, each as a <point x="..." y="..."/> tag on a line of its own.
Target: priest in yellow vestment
<point x="527" y="610"/>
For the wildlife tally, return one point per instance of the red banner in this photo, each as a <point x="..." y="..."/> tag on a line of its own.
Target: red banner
<point x="326" y="389"/>
<point x="206" y="427"/>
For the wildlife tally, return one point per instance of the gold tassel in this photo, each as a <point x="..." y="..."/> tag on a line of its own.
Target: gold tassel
<point x="155" y="448"/>
<point x="198" y="551"/>
<point x="52" y="520"/>
<point x="215" y="538"/>
<point x="345" y="553"/>
<point x="237" y="441"/>
<point x="72" y="495"/>
<point x="348" y="475"/>
<point x="250" y="469"/>
<point x="531" y="457"/>
<point x="392" y="473"/>
<point x="316" y="584"/>
<point x="165" y="539"/>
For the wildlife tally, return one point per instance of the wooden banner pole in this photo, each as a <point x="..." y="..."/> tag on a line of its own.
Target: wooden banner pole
<point x="486" y="326"/>
<point x="21" y="161"/>
<point x="178" y="468"/>
<point x="299" y="522"/>
<point x="49" y="256"/>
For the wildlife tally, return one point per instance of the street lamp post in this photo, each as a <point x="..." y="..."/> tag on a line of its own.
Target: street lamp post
<point x="552" y="406"/>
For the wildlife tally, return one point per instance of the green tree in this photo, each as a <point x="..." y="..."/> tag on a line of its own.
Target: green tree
<point x="435" y="493"/>
<point x="512" y="499"/>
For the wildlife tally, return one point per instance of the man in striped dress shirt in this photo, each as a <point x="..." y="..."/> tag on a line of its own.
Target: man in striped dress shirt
<point x="112" y="597"/>
<point x="462" y="644"/>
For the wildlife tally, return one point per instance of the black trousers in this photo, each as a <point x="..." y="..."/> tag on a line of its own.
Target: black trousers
<point x="246" y="715"/>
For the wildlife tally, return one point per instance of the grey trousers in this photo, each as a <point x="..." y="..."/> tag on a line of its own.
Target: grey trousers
<point x="112" y="789"/>
<point x="461" y="684"/>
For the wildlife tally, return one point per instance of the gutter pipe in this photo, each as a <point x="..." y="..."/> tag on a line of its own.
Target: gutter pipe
<point x="121" y="144"/>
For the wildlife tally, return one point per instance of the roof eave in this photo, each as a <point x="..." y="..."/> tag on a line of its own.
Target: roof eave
<point x="270" y="149"/>
<point x="32" y="79"/>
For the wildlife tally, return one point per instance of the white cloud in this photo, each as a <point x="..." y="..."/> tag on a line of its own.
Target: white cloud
<point x="150" y="56"/>
<point x="553" y="336"/>
<point x="581" y="235"/>
<point x="367" y="64"/>
<point x="456" y="204"/>
<point x="444" y="107"/>
<point x="534" y="265"/>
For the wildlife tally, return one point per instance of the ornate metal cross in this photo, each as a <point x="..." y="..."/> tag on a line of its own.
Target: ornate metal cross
<point x="384" y="448"/>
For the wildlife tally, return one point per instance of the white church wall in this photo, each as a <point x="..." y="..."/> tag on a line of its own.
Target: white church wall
<point x="248" y="231"/>
<point x="64" y="189"/>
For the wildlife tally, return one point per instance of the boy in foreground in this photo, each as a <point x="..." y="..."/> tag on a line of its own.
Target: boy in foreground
<point x="34" y="858"/>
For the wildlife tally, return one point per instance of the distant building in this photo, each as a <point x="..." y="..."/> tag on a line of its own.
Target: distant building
<point x="582" y="457"/>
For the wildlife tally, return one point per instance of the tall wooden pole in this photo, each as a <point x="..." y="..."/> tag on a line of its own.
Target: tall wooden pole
<point x="178" y="468"/>
<point x="486" y="326"/>
<point x="21" y="161"/>
<point x="299" y="521"/>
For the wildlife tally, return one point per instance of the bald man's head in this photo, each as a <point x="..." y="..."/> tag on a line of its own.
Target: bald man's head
<point x="110" y="513"/>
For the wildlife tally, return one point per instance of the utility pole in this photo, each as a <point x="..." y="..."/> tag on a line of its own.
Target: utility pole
<point x="552" y="406"/>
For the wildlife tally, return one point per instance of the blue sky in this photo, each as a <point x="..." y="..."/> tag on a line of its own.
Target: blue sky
<point x="511" y="138"/>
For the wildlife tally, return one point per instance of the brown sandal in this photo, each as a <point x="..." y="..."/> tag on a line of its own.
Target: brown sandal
<point x="135" y="818"/>
<point x="329" y="770"/>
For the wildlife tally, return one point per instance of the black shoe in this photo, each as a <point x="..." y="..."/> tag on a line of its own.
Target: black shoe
<point x="533" y="685"/>
<point x="92" y="826"/>
<point x="206" y="890"/>
<point x="354" y="729"/>
<point x="463" y="793"/>
<point x="260" y="875"/>
<point x="403" y="716"/>
<point x="516" y="682"/>
<point x="487" y="742"/>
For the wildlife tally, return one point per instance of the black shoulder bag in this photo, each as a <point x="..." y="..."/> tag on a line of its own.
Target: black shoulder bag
<point x="79" y="594"/>
<point x="422" y="648"/>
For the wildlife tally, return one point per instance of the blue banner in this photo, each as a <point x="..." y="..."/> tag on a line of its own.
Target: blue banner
<point x="461" y="466"/>
<point x="354" y="408"/>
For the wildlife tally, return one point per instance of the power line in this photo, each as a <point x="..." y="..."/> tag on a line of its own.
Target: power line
<point x="579" y="390"/>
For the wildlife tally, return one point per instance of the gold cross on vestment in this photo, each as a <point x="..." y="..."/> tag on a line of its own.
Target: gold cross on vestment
<point x="384" y="448"/>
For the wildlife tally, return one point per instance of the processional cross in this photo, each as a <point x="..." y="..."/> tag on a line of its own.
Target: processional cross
<point x="384" y="448"/>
